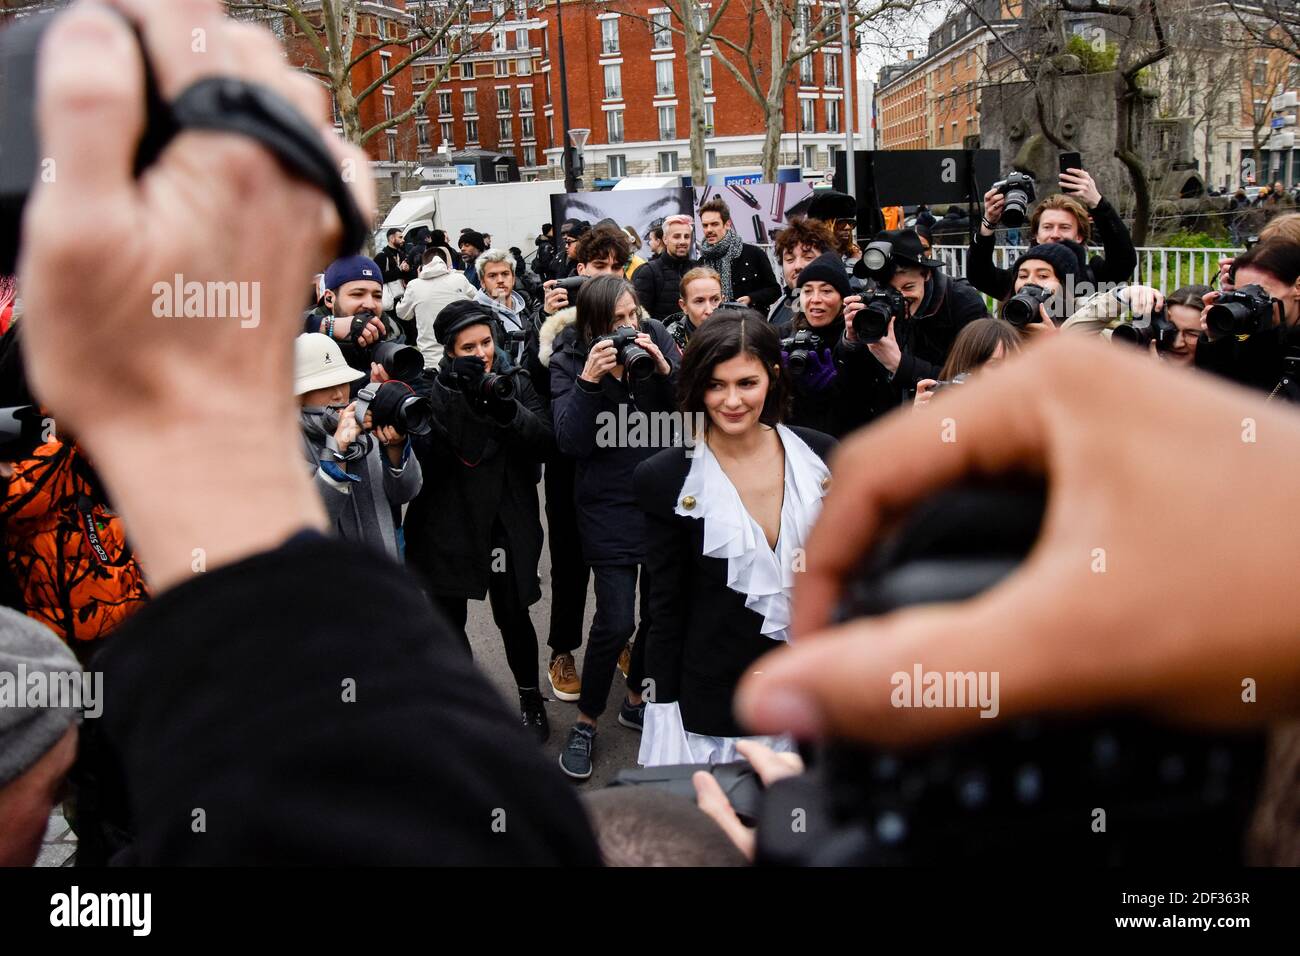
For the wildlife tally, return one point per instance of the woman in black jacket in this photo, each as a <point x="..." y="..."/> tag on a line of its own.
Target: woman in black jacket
<point x="827" y="394"/>
<point x="599" y="400"/>
<point x="726" y="526"/>
<point x="475" y="528"/>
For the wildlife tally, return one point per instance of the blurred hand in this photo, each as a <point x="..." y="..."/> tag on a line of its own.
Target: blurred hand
<point x="853" y="304"/>
<point x="770" y="767"/>
<point x="1225" y="268"/>
<point x="1142" y="299"/>
<point x="602" y="358"/>
<point x="349" y="428"/>
<point x="1062" y="634"/>
<point x="644" y="340"/>
<point x="147" y="395"/>
<point x="924" y="392"/>
<point x="377" y="373"/>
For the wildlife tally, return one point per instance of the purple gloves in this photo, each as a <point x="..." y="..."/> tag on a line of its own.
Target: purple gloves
<point x="821" y="371"/>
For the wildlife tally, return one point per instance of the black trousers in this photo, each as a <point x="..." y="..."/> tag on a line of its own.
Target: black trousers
<point x="613" y="624"/>
<point x="569" y="572"/>
<point x="512" y="620"/>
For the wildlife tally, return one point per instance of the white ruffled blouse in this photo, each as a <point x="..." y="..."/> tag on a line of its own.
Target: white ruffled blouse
<point x="765" y="576"/>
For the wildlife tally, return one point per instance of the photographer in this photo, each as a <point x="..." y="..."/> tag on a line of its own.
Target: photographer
<point x="827" y="395"/>
<point x="659" y="281"/>
<point x="745" y="270"/>
<point x="359" y="484"/>
<point x="701" y="295"/>
<point x="436" y="286"/>
<point x="496" y="275"/>
<point x="395" y="266"/>
<point x="936" y="306"/>
<point x="1055" y="218"/>
<point x="352" y="287"/>
<point x="800" y="242"/>
<point x="984" y="343"/>
<point x="1250" y="331"/>
<point x="595" y="383"/>
<point x="1041" y="296"/>
<point x="475" y="528"/>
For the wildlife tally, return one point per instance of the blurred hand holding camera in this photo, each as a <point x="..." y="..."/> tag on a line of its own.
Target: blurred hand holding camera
<point x="1062" y="634"/>
<point x="149" y="398"/>
<point x="710" y="797"/>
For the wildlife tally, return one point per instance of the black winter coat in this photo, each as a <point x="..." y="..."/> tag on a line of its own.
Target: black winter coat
<point x="702" y="638"/>
<point x="610" y="524"/>
<point x="752" y="275"/>
<point x="1257" y="362"/>
<point x="479" y="473"/>
<point x="854" y="398"/>
<point x="658" y="284"/>
<point x="1117" y="266"/>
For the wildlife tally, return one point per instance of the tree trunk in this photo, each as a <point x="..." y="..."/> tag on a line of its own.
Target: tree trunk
<point x="775" y="102"/>
<point x="1137" y="171"/>
<point x="695" y="90"/>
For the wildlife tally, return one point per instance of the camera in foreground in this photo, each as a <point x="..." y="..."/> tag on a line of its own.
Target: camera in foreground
<point x="395" y="404"/>
<point x="1022" y="308"/>
<point x="880" y="307"/>
<point x="638" y="363"/>
<point x="1243" y="311"/>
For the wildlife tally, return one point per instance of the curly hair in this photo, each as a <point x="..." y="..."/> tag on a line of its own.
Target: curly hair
<point x="602" y="243"/>
<point x="802" y="231"/>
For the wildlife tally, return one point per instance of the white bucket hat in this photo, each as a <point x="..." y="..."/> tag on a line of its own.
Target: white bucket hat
<point x="318" y="363"/>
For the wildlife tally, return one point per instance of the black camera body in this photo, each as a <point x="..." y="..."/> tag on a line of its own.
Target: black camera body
<point x="636" y="361"/>
<point x="571" y="285"/>
<point x="1159" y="330"/>
<point x="1243" y="311"/>
<point x="880" y="307"/>
<point x="799" y="347"/>
<point x="1018" y="188"/>
<point x="394" y="404"/>
<point x="1022" y="308"/>
<point x="490" y="385"/>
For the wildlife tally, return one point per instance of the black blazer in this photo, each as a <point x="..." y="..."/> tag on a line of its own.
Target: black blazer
<point x="701" y="638"/>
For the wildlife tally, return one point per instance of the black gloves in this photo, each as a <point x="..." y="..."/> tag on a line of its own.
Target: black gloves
<point x="465" y="373"/>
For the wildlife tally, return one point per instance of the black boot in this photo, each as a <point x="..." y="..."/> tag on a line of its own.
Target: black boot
<point x="532" y="712"/>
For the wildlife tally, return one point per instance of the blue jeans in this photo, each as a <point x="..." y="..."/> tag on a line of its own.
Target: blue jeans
<point x="611" y="628"/>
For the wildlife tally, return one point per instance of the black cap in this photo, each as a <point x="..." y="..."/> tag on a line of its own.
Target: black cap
<point x="829" y="268"/>
<point x="907" y="248"/>
<point x="457" y="315"/>
<point x="831" y="205"/>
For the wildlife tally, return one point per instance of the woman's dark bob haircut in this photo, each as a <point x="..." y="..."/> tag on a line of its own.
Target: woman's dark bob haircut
<point x="597" y="300"/>
<point x="728" y="332"/>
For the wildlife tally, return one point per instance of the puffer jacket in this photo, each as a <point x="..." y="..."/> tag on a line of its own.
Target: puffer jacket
<point x="611" y="524"/>
<point x="436" y="286"/>
<point x="658" y="284"/>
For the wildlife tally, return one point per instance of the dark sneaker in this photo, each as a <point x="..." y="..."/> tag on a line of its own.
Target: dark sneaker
<point x="632" y="715"/>
<point x="575" y="758"/>
<point x="532" y="710"/>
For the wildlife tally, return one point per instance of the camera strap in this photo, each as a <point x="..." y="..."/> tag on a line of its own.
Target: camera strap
<point x="230" y="105"/>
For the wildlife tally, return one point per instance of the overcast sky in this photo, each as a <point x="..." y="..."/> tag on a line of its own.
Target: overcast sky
<point x="876" y="50"/>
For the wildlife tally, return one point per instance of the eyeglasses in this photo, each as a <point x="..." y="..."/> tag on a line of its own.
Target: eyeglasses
<point x="569" y="240"/>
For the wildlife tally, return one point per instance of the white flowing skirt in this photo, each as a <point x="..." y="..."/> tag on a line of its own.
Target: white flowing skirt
<point x="665" y="741"/>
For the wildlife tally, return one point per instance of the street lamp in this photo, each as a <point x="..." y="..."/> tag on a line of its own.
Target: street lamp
<point x="578" y="138"/>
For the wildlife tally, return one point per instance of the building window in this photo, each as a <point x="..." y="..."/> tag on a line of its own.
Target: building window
<point x="663" y="34"/>
<point x="503" y="68"/>
<point x="521" y="39"/>
<point x="390" y="29"/>
<point x="806" y="71"/>
<point x="440" y="46"/>
<point x="668" y="122"/>
<point x="668" y="162"/>
<point x="664" y="77"/>
<point x="503" y="101"/>
<point x="524" y="67"/>
<point x="708" y="119"/>
<point x="614" y="125"/>
<point x="711" y="158"/>
<point x="940" y="134"/>
<point x="526" y="128"/>
<point x="617" y="165"/>
<point x="422" y="133"/>
<point x="505" y="129"/>
<point x="530" y="155"/>
<point x="521" y="13"/>
<point x="444" y="104"/>
<point x="810" y="157"/>
<point x="388" y="106"/>
<point x="807" y="117"/>
<point x="706" y="73"/>
<point x="395" y="182"/>
<point x="467" y="69"/>
<point x="385" y="63"/>
<point x="613" y="82"/>
<point x="392" y="149"/>
<point x="503" y="173"/>
<point x="445" y="130"/>
<point x="525" y="98"/>
<point x="471" y="131"/>
<point x="609" y="35"/>
<point x="832" y="116"/>
<point x="499" y="41"/>
<point x="832" y="63"/>
<point x="471" y="102"/>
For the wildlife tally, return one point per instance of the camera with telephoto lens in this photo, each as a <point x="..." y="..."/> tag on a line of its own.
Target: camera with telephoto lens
<point x="1157" y="329"/>
<point x="1018" y="189"/>
<point x="402" y="362"/>
<point x="638" y="363"/>
<point x="490" y="385"/>
<point x="880" y="307"/>
<point x="1010" y="788"/>
<point x="1243" y="311"/>
<point x="799" y="348"/>
<point x="394" y="404"/>
<point x="877" y="260"/>
<point x="571" y="285"/>
<point x="1022" y="308"/>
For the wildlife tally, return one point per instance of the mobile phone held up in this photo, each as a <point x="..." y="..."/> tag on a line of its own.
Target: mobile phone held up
<point x="1070" y="161"/>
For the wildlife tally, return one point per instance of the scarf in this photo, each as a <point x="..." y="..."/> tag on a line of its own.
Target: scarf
<point x="719" y="256"/>
<point x="319" y="423"/>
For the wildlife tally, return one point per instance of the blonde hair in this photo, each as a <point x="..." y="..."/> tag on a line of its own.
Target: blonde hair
<point x="1070" y="205"/>
<point x="1283" y="228"/>
<point x="699" y="272"/>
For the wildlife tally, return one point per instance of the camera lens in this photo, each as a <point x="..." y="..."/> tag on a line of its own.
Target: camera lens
<point x="498" y="386"/>
<point x="414" y="416"/>
<point x="1016" y="208"/>
<point x="872" y="322"/>
<point x="874" y="259"/>
<point x="639" y="363"/>
<point x="1020" y="310"/>
<point x="798" y="362"/>
<point x="402" y="362"/>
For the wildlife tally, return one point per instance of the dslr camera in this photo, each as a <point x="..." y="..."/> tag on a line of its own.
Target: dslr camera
<point x="1022" y="308"/>
<point x="489" y="385"/>
<point x="1159" y="330"/>
<point x="395" y="404"/>
<point x="401" y="362"/>
<point x="1018" y="189"/>
<point x="571" y="285"/>
<point x="639" y="363"/>
<point x="881" y="306"/>
<point x="800" y="346"/>
<point x="1243" y="311"/>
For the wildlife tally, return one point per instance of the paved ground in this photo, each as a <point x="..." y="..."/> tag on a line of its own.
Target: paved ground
<point x="616" y="746"/>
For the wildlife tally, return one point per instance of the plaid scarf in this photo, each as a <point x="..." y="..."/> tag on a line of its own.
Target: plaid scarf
<point x="719" y="256"/>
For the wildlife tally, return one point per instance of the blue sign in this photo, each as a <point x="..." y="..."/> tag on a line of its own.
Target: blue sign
<point x="466" y="174"/>
<point x="1278" y="122"/>
<point x="745" y="179"/>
